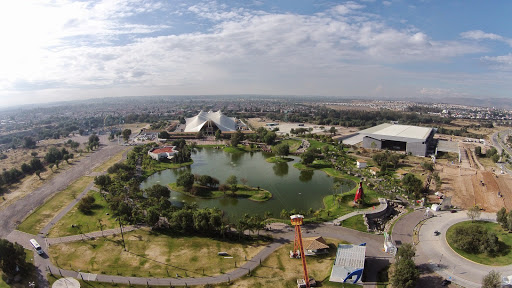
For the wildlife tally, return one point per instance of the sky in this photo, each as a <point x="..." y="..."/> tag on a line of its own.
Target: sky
<point x="64" y="50"/>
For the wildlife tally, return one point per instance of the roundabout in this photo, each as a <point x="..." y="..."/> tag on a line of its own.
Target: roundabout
<point x="435" y="251"/>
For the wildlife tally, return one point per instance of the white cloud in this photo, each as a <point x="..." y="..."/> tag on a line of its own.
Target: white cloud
<point x="386" y="3"/>
<point x="481" y="35"/>
<point x="341" y="51"/>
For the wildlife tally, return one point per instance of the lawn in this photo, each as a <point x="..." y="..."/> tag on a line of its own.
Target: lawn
<point x="505" y="241"/>
<point x="278" y="159"/>
<point x="356" y="223"/>
<point x="45" y="213"/>
<point x="107" y="164"/>
<point x="294" y="144"/>
<point x="243" y="191"/>
<point x="317" y="144"/>
<point x="153" y="166"/>
<point x="280" y="271"/>
<point x="87" y="223"/>
<point x="150" y="254"/>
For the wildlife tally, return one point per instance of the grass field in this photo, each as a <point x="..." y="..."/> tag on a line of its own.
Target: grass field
<point x="280" y="271"/>
<point x="356" y="223"/>
<point x="505" y="239"/>
<point x="317" y="144"/>
<point x="87" y="223"/>
<point x="45" y="213"/>
<point x="243" y="191"/>
<point x="294" y="144"/>
<point x="278" y="159"/>
<point x="156" y="166"/>
<point x="151" y="254"/>
<point x="113" y="160"/>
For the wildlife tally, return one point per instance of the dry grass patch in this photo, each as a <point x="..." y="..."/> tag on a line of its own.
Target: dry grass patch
<point x="113" y="160"/>
<point x="45" y="213"/>
<point x="279" y="271"/>
<point x="151" y="254"/>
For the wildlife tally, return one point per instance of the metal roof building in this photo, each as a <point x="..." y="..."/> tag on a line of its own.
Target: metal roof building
<point x="411" y="139"/>
<point x="209" y="122"/>
<point x="349" y="263"/>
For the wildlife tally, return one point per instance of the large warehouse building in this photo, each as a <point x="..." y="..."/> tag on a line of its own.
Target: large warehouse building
<point x="418" y="141"/>
<point x="209" y="122"/>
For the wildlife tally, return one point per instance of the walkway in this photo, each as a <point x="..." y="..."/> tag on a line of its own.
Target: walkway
<point x="383" y="205"/>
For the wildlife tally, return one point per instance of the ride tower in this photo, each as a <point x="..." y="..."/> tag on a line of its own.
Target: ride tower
<point x="297" y="221"/>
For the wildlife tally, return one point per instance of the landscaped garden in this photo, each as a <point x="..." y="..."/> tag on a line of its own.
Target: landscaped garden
<point x="476" y="241"/>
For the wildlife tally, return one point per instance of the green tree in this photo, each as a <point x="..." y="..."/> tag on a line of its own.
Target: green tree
<point x="333" y="130"/>
<point x="403" y="273"/>
<point x="492" y="280"/>
<point x="270" y="138"/>
<point x="236" y="138"/>
<point x="28" y="142"/>
<point x="186" y="179"/>
<point x="478" y="151"/>
<point x="164" y="135"/>
<point x="36" y="164"/>
<point x="412" y="184"/>
<point x="217" y="134"/>
<point x="474" y="213"/>
<point x="12" y="259"/>
<point x="308" y="157"/>
<point x="103" y="181"/>
<point x="501" y="217"/>
<point x="282" y="149"/>
<point x="85" y="205"/>
<point x="232" y="180"/>
<point x="152" y="216"/>
<point x="126" y="134"/>
<point x="33" y="153"/>
<point x="158" y="191"/>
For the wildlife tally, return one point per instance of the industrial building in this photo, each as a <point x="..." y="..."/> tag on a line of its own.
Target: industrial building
<point x="418" y="141"/>
<point x="209" y="122"/>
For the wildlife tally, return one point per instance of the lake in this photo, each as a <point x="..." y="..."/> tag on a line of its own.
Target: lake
<point x="291" y="188"/>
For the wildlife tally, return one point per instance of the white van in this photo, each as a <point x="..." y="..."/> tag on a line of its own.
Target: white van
<point x="36" y="245"/>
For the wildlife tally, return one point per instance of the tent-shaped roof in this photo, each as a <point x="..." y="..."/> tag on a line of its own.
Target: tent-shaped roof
<point x="224" y="123"/>
<point x="315" y="243"/>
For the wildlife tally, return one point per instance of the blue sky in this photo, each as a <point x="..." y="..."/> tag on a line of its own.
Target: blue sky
<point x="65" y="50"/>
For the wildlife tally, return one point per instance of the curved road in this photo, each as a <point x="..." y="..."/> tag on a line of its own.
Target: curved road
<point x="435" y="251"/>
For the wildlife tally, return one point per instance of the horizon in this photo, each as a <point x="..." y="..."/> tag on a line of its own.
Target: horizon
<point x="382" y="50"/>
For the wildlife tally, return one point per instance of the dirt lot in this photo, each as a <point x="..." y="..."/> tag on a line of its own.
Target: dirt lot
<point x="470" y="187"/>
<point x="285" y="127"/>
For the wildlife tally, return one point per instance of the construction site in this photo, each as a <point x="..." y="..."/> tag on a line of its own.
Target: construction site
<point x="469" y="183"/>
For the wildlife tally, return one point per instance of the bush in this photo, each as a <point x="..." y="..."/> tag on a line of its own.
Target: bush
<point x="475" y="239"/>
<point x="85" y="205"/>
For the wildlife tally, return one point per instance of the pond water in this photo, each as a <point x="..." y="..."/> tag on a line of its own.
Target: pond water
<point x="291" y="188"/>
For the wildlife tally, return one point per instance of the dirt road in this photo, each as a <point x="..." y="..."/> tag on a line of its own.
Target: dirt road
<point x="13" y="215"/>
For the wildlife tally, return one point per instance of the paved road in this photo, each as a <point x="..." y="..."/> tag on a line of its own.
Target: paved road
<point x="13" y="214"/>
<point x="435" y="251"/>
<point x="498" y="143"/>
<point x="404" y="227"/>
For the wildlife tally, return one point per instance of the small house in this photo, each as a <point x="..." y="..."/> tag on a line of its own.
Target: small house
<point x="361" y="163"/>
<point x="160" y="153"/>
<point x="315" y="246"/>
